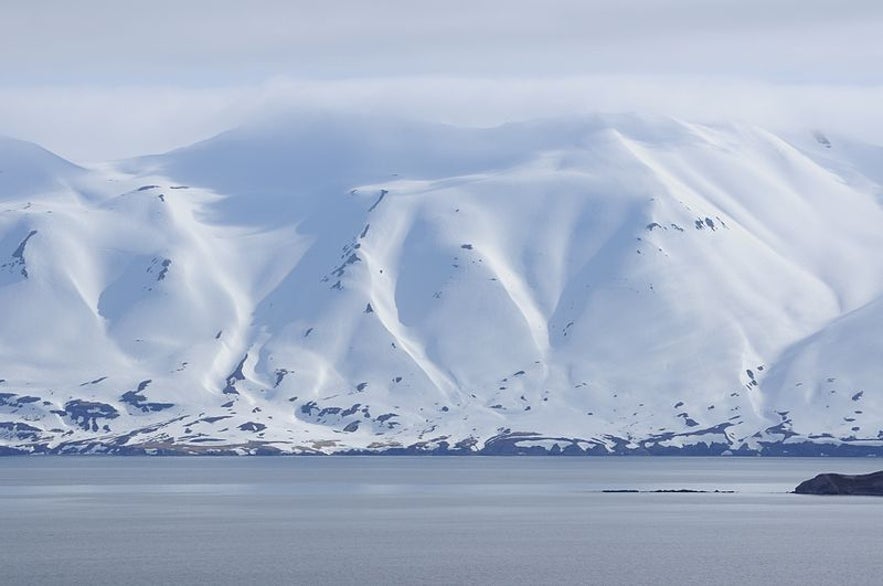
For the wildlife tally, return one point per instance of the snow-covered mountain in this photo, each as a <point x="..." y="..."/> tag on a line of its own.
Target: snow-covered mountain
<point x="612" y="284"/>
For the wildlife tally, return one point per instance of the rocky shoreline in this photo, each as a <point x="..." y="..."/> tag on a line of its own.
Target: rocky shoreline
<point x="843" y="484"/>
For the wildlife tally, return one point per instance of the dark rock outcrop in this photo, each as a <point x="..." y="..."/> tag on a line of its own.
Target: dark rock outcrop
<point x="85" y="414"/>
<point x="829" y="483"/>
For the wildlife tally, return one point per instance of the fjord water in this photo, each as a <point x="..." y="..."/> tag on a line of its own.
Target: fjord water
<point x="431" y="520"/>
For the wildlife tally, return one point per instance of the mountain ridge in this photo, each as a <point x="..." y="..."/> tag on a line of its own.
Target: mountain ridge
<point x="612" y="284"/>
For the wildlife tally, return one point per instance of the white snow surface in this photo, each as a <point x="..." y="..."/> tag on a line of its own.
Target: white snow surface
<point x="331" y="283"/>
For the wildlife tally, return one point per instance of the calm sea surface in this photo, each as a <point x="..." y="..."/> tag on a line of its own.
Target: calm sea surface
<point x="431" y="520"/>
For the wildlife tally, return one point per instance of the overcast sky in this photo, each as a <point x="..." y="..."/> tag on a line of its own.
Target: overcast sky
<point x="97" y="79"/>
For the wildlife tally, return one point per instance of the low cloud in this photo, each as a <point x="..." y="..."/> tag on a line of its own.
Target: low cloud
<point x="98" y="123"/>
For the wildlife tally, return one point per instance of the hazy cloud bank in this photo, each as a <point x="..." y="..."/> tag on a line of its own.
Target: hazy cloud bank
<point x="100" y="79"/>
<point x="98" y="123"/>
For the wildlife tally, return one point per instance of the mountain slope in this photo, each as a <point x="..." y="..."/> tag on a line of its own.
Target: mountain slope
<point x="325" y="284"/>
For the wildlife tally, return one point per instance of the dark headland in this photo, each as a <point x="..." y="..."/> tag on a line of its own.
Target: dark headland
<point x="830" y="483"/>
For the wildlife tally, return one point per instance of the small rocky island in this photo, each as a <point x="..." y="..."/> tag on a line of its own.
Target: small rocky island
<point x="829" y="483"/>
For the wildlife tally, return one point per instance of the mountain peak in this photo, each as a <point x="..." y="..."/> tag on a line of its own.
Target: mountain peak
<point x="28" y="168"/>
